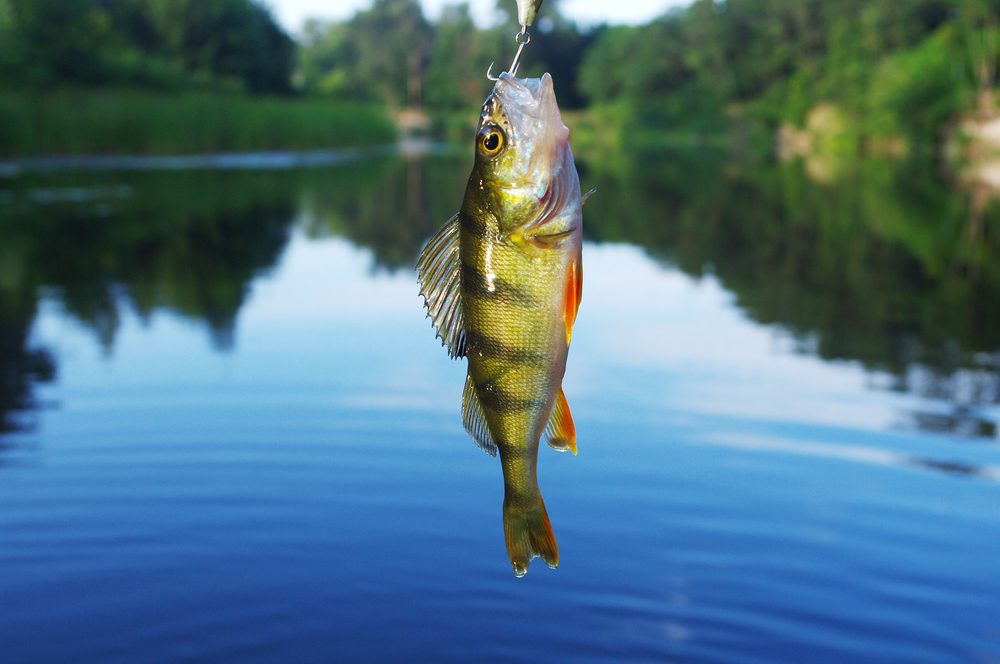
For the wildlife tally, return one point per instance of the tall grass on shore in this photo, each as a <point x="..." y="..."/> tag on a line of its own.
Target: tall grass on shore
<point x="131" y="122"/>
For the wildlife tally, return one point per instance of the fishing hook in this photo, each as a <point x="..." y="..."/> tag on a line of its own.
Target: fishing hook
<point x="522" y="39"/>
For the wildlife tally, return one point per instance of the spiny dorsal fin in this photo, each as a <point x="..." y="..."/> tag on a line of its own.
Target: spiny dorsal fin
<point x="474" y="418"/>
<point x="440" y="283"/>
<point x="561" y="432"/>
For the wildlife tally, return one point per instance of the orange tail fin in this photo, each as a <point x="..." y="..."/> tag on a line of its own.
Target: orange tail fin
<point x="529" y="534"/>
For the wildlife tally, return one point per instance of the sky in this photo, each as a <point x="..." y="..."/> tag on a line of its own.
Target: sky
<point x="292" y="13"/>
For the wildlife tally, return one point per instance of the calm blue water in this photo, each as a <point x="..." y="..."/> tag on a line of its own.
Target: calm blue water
<point x="230" y="433"/>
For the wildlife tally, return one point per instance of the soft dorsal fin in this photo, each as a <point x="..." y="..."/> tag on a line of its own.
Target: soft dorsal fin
<point x="440" y="284"/>
<point x="574" y="293"/>
<point x="474" y="418"/>
<point x="561" y="432"/>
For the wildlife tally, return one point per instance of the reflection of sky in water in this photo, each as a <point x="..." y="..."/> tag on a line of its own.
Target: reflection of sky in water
<point x="309" y="492"/>
<point x="676" y="331"/>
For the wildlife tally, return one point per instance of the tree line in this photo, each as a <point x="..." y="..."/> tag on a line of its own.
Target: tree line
<point x="392" y="53"/>
<point x="900" y="68"/>
<point x="165" y="44"/>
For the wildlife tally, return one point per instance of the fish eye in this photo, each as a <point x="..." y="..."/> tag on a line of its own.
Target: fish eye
<point x="491" y="140"/>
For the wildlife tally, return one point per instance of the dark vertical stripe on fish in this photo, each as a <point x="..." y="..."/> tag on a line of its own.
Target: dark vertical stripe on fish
<point x="475" y="226"/>
<point x="502" y="401"/>
<point x="495" y="349"/>
<point x="476" y="283"/>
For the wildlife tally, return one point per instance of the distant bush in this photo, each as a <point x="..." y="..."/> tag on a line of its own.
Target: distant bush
<point x="916" y="91"/>
<point x="109" y="122"/>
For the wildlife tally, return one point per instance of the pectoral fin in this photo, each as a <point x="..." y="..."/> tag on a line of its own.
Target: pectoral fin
<point x="561" y="432"/>
<point x="574" y="293"/>
<point x="440" y="283"/>
<point x="474" y="418"/>
<point x="547" y="241"/>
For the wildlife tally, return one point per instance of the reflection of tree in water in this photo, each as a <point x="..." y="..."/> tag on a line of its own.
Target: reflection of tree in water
<point x="391" y="206"/>
<point x="188" y="243"/>
<point x="21" y="367"/>
<point x="204" y="272"/>
<point x="879" y="267"/>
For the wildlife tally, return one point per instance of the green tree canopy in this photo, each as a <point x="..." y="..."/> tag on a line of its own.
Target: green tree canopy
<point x="380" y="54"/>
<point x="145" y="43"/>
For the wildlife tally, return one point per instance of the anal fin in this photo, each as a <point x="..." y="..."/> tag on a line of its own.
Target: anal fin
<point x="474" y="418"/>
<point x="561" y="432"/>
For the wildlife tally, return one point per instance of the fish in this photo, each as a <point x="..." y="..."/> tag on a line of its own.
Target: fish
<point x="502" y="282"/>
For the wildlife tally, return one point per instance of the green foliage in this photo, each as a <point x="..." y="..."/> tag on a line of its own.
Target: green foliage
<point x="916" y="91"/>
<point x="87" y="122"/>
<point x="605" y="73"/>
<point x="379" y="55"/>
<point x="235" y="39"/>
<point x="323" y="60"/>
<point x="151" y="43"/>
<point x="893" y="68"/>
<point x="454" y="75"/>
<point x="391" y="54"/>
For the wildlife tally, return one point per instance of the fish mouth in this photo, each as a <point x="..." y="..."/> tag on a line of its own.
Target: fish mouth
<point x="525" y="91"/>
<point x="526" y="109"/>
<point x="522" y="99"/>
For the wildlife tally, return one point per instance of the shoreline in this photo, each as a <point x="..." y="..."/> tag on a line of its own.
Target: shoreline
<point x="229" y="160"/>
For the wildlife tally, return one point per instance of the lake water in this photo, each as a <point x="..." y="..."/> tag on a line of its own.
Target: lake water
<point x="228" y="431"/>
